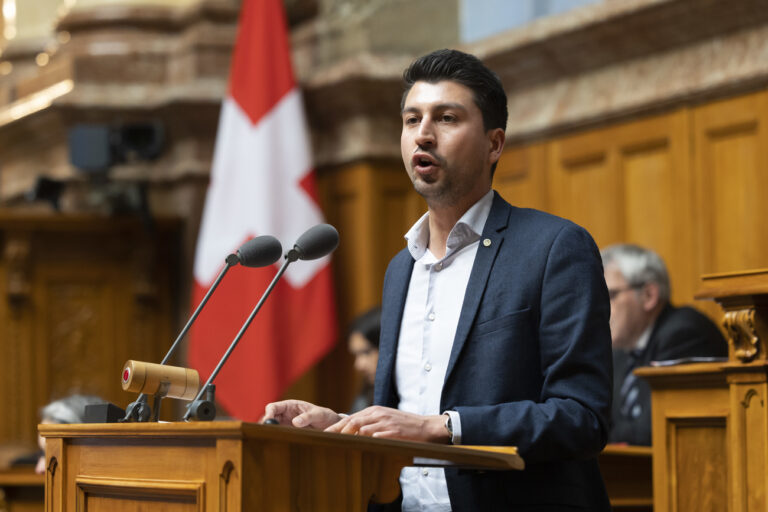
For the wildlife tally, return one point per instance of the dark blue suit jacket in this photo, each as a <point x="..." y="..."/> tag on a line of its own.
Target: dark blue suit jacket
<point x="530" y="364"/>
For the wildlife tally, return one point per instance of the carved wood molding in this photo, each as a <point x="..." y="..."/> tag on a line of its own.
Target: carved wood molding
<point x="226" y="471"/>
<point x="50" y="483"/>
<point x="17" y="256"/>
<point x="742" y="335"/>
<point x="144" y="282"/>
<point x="748" y="396"/>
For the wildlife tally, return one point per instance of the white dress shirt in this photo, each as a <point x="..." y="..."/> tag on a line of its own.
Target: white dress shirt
<point x="430" y="317"/>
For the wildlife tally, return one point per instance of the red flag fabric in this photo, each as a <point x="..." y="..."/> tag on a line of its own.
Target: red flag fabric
<point x="262" y="183"/>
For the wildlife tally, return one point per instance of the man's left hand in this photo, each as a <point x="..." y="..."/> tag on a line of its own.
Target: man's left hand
<point x="391" y="423"/>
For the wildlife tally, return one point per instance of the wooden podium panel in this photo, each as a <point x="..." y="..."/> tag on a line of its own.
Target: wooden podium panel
<point x="691" y="424"/>
<point x="627" y="472"/>
<point x="234" y="466"/>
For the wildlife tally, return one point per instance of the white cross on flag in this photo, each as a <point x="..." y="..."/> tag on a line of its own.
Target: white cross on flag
<point x="262" y="183"/>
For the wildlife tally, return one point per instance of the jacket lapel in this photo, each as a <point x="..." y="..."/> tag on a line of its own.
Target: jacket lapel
<point x="395" y="293"/>
<point x="493" y="232"/>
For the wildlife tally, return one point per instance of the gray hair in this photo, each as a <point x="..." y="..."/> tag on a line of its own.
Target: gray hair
<point x="70" y="409"/>
<point x="638" y="266"/>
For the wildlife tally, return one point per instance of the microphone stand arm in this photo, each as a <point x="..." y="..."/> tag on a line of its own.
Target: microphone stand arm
<point x="201" y="405"/>
<point x="139" y="410"/>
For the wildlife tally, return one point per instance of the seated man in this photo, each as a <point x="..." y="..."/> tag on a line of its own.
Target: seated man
<point x="645" y="327"/>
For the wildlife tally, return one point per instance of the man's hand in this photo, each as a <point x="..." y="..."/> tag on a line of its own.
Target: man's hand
<point x="390" y="423"/>
<point x="301" y="414"/>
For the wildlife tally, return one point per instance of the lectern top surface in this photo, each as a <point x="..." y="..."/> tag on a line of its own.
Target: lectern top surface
<point x="491" y="457"/>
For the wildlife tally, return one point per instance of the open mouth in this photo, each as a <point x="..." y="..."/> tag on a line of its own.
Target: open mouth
<point x="423" y="163"/>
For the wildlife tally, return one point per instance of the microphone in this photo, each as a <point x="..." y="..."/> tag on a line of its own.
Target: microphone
<point x="261" y="251"/>
<point x="314" y="243"/>
<point x="151" y="378"/>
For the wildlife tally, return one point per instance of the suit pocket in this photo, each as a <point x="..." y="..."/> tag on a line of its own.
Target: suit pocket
<point x="504" y="322"/>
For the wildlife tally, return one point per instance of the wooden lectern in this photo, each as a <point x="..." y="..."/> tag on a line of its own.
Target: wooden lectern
<point x="710" y="426"/>
<point x="233" y="466"/>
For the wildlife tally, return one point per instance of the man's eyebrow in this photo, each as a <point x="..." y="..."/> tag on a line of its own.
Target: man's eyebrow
<point x="439" y="106"/>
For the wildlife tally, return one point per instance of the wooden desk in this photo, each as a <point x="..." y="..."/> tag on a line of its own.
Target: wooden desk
<point x="21" y="490"/>
<point x="234" y="466"/>
<point x="627" y="472"/>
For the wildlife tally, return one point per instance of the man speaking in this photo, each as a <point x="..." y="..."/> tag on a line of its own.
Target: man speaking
<point x="494" y="318"/>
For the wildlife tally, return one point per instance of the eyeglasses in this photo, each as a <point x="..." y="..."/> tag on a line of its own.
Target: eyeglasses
<point x="613" y="293"/>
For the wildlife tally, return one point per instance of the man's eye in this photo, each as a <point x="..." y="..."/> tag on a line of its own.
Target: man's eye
<point x="447" y="118"/>
<point x="411" y="120"/>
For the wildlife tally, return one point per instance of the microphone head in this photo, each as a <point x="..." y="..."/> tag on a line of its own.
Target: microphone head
<point x="317" y="242"/>
<point x="260" y="251"/>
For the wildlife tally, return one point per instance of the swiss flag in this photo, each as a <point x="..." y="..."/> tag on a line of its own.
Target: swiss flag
<point x="262" y="183"/>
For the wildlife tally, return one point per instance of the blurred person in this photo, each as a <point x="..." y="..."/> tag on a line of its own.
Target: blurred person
<point x="646" y="327"/>
<point x="70" y="409"/>
<point x="363" y="344"/>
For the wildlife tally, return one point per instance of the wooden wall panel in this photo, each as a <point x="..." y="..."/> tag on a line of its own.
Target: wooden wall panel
<point x="81" y="307"/>
<point x="631" y="183"/>
<point x="654" y="160"/>
<point x="584" y="185"/>
<point x="731" y="137"/>
<point x="17" y="359"/>
<point x="521" y="176"/>
<point x="88" y="294"/>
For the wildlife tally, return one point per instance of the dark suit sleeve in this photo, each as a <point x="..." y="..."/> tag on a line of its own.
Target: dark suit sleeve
<point x="570" y="416"/>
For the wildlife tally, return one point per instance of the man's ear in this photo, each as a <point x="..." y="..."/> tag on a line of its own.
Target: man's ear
<point x="649" y="296"/>
<point x="496" y="139"/>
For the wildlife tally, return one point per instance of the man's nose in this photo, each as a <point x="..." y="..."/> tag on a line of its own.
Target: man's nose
<point x="426" y="134"/>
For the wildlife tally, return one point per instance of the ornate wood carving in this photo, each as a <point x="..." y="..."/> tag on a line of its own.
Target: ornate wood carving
<point x="50" y="483"/>
<point x="742" y="335"/>
<point x="226" y="471"/>
<point x="18" y="284"/>
<point x="748" y="398"/>
<point x="52" y="464"/>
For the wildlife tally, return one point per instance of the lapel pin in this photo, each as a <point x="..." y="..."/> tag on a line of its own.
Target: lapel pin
<point x="487" y="242"/>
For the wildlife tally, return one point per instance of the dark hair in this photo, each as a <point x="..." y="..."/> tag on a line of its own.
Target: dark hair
<point x="468" y="71"/>
<point x="368" y="324"/>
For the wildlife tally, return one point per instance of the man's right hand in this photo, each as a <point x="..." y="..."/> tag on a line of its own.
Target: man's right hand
<point x="301" y="414"/>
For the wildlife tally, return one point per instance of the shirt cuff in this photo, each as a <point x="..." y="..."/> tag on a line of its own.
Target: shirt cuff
<point x="456" y="424"/>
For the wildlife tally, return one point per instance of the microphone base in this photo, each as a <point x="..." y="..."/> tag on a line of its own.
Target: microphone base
<point x="201" y="410"/>
<point x="103" y="413"/>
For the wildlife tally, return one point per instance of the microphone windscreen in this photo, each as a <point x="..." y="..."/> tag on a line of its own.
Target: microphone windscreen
<point x="260" y="251"/>
<point x="317" y="241"/>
